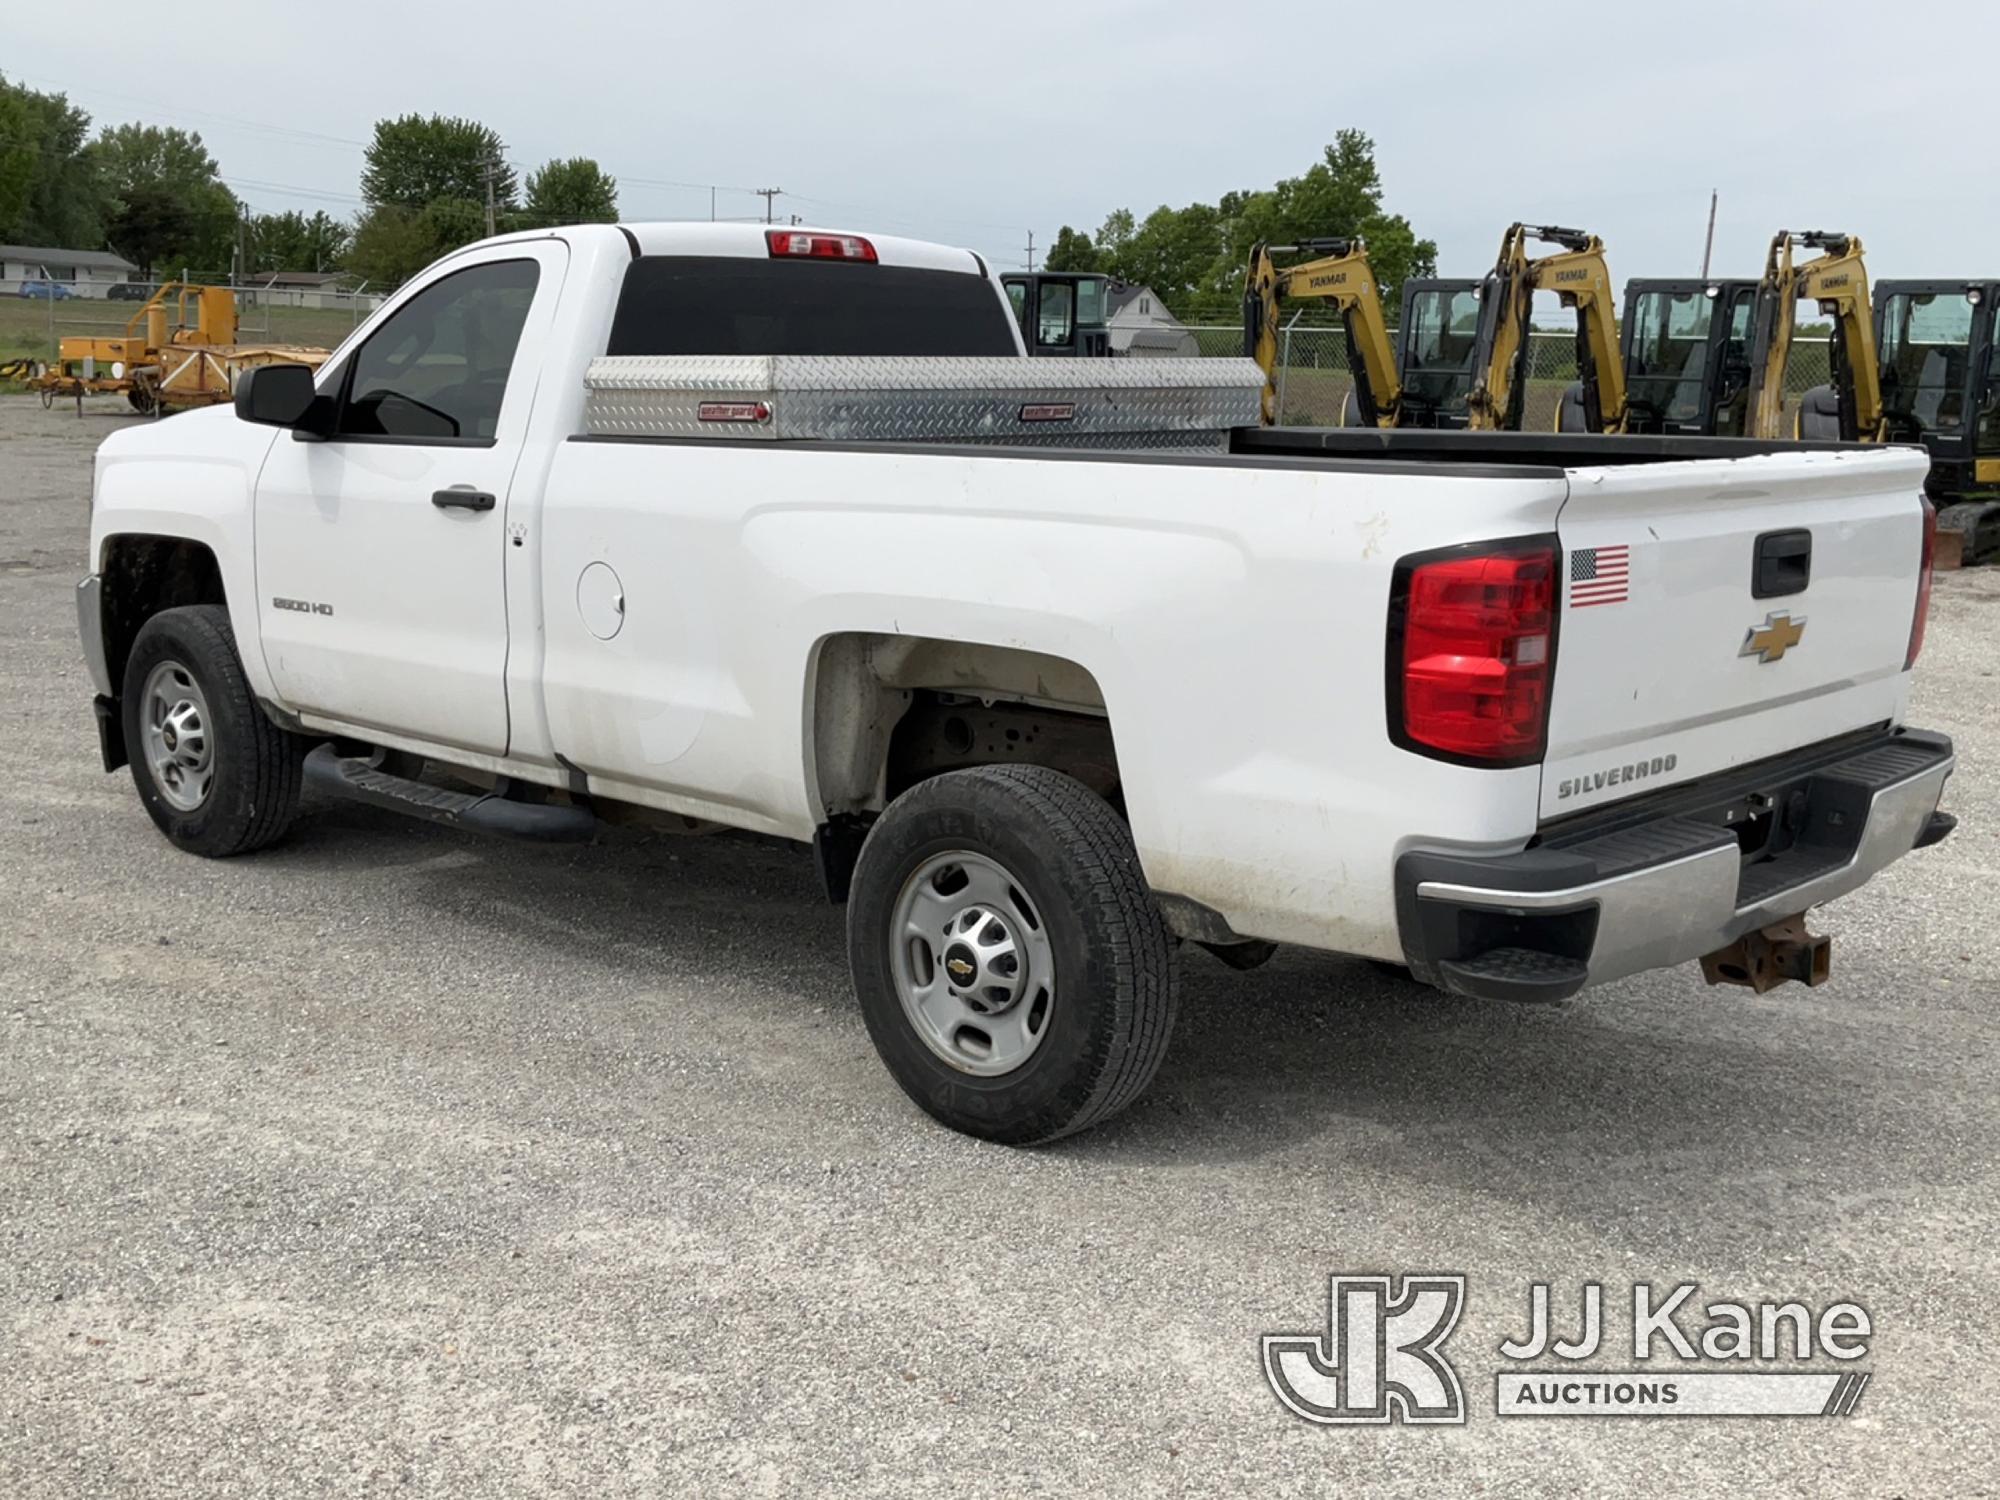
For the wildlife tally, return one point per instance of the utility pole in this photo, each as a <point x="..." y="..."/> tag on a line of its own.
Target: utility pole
<point x="488" y="170"/>
<point x="1031" y="249"/>
<point x="711" y="205"/>
<point x="1708" y="245"/>
<point x="770" y="197"/>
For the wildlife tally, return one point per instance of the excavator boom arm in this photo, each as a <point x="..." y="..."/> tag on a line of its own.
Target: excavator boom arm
<point x="1581" y="278"/>
<point x="1345" y="279"/>
<point x="1836" y="280"/>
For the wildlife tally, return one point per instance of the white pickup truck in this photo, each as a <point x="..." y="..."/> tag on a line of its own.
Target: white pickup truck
<point x="1054" y="664"/>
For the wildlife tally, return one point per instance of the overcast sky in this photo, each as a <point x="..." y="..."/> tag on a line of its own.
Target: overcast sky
<point x="979" y="124"/>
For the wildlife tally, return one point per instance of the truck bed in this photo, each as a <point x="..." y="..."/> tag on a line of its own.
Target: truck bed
<point x="1513" y="450"/>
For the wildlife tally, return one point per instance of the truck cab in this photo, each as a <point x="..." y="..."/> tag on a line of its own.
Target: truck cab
<point x="1062" y="314"/>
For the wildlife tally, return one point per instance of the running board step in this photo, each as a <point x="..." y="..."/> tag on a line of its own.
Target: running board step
<point x="1515" y="974"/>
<point x="355" y="780"/>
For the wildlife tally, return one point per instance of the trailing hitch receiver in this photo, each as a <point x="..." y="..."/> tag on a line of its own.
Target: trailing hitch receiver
<point x="1771" y="955"/>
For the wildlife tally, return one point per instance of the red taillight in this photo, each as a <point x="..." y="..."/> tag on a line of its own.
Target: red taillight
<point x="1477" y="639"/>
<point x="1922" y="618"/>
<point x="808" y="246"/>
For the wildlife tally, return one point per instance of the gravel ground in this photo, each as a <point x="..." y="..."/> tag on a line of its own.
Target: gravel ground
<point x="393" y="1161"/>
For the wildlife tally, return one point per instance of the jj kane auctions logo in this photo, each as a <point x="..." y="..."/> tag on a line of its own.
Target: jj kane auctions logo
<point x="1381" y="1356"/>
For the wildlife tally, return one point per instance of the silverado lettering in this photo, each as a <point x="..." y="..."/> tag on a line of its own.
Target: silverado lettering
<point x="1597" y="781"/>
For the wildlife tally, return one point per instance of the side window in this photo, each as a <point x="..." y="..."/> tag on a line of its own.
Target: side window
<point x="437" y="369"/>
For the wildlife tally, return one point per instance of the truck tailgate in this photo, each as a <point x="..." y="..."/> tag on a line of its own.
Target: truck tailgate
<point x="1669" y="664"/>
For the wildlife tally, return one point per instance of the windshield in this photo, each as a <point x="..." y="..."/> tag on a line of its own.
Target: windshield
<point x="1926" y="346"/>
<point x="1669" y="351"/>
<point x="1439" y="344"/>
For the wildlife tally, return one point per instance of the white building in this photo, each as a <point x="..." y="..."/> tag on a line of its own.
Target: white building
<point x="1141" y="325"/>
<point x="88" y="273"/>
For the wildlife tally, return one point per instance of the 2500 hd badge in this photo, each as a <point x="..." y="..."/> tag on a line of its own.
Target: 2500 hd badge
<point x="1597" y="781"/>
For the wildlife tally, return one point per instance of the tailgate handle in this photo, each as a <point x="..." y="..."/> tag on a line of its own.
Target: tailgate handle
<point x="1784" y="564"/>
<point x="462" y="497"/>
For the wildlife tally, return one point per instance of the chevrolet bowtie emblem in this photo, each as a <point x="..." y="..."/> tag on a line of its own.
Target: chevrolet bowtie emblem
<point x="1771" y="640"/>
<point x="960" y="969"/>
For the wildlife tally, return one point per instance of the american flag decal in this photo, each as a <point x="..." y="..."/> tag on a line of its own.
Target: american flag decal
<point x="1599" y="575"/>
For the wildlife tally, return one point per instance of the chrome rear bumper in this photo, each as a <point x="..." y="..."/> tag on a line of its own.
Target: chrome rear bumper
<point x="1647" y="892"/>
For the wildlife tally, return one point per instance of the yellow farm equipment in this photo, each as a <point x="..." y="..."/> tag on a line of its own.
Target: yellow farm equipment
<point x="179" y="350"/>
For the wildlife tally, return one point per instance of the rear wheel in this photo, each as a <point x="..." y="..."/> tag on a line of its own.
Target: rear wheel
<point x="216" y="776"/>
<point x="1013" y="969"/>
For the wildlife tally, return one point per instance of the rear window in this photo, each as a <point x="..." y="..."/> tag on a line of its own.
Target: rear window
<point x="686" y="304"/>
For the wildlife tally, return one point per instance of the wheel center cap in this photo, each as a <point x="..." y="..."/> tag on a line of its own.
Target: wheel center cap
<point x="960" y="966"/>
<point x="167" y="734"/>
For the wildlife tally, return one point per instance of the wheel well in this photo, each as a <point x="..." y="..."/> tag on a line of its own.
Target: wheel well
<point x="143" y="575"/>
<point x="889" y="711"/>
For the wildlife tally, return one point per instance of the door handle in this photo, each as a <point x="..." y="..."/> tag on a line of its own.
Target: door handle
<point x="462" y="499"/>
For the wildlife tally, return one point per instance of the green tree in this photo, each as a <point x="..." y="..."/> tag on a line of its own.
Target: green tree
<point x="1339" y="196"/>
<point x="1072" y="251"/>
<point x="142" y="166"/>
<point x="414" y="161"/>
<point x="391" y="243"/>
<point x="1173" y="252"/>
<point x="293" y="242"/>
<point x="1113" y="235"/>
<point x="150" y="225"/>
<point x="50" y="191"/>
<point x="1193" y="257"/>
<point x="576" y="191"/>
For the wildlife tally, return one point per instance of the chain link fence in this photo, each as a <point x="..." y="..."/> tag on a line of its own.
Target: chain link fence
<point x="32" y="327"/>
<point x="1315" y="379"/>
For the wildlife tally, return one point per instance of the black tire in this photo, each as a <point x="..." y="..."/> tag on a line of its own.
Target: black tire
<point x="253" y="790"/>
<point x="1111" y="1009"/>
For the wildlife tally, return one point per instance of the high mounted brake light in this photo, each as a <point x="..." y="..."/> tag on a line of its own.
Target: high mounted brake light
<point x="806" y="246"/>
<point x="1920" y="619"/>
<point x="1472" y="634"/>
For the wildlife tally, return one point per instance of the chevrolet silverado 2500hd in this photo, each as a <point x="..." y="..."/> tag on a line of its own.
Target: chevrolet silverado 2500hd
<point x="779" y="530"/>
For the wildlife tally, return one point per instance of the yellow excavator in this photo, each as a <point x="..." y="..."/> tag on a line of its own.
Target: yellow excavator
<point x="1576" y="273"/>
<point x="1850" y="408"/>
<point x="1342" y="276"/>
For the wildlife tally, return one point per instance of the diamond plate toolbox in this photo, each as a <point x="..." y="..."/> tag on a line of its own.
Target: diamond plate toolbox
<point x="1109" y="403"/>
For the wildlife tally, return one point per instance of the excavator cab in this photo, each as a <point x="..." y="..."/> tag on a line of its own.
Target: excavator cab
<point x="1437" y="346"/>
<point x="1063" y="314"/>
<point x="1940" y="384"/>
<point x="1686" y="350"/>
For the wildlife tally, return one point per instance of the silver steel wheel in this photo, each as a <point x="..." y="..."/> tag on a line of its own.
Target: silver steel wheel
<point x="972" y="963"/>
<point x="180" y="741"/>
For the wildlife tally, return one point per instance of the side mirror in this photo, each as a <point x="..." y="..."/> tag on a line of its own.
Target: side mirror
<point x="275" y="395"/>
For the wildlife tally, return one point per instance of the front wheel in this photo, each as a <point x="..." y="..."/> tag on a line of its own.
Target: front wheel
<point x="1013" y="969"/>
<point x="216" y="776"/>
